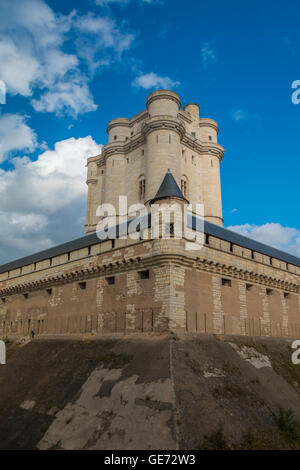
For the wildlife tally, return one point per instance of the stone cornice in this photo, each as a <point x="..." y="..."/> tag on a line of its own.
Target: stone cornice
<point x="163" y="122"/>
<point x="91" y="181"/>
<point x="95" y="269"/>
<point x="122" y="147"/>
<point x="203" y="147"/>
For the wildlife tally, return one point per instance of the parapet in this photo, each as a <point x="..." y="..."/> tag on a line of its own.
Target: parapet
<point x="118" y="129"/>
<point x="193" y="110"/>
<point x="163" y="103"/>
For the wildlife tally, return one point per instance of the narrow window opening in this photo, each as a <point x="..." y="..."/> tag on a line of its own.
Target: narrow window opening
<point x="131" y="133"/>
<point x="69" y="256"/>
<point x="252" y="254"/>
<point x="269" y="291"/>
<point x="110" y="280"/>
<point x="26" y="296"/>
<point x="157" y="139"/>
<point x="89" y="250"/>
<point x="271" y="261"/>
<point x="50" y="261"/>
<point x="113" y="243"/>
<point x="82" y="285"/>
<point x="286" y="295"/>
<point x="226" y="282"/>
<point x="170" y="139"/>
<point x="287" y="266"/>
<point x="183" y="153"/>
<point x="193" y="134"/>
<point x="209" y="137"/>
<point x="171" y="229"/>
<point x="115" y="137"/>
<point x="49" y="291"/>
<point x="207" y="239"/>
<point x="3" y="300"/>
<point x="144" y="274"/>
<point x="183" y="187"/>
<point x="231" y="247"/>
<point x="249" y="286"/>
<point x="143" y="152"/>
<point x="142" y="189"/>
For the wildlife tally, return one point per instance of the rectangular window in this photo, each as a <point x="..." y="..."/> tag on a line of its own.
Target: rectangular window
<point x="207" y="239"/>
<point x="49" y="291"/>
<point x="82" y="285"/>
<point x="26" y="296"/>
<point x="110" y="280"/>
<point x="269" y="291"/>
<point x="249" y="286"/>
<point x="286" y="295"/>
<point x="170" y="139"/>
<point x="144" y="274"/>
<point x="3" y="300"/>
<point x="226" y="282"/>
<point x="183" y="187"/>
<point x="193" y="134"/>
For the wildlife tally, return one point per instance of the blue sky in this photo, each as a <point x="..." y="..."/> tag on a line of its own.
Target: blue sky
<point x="70" y="67"/>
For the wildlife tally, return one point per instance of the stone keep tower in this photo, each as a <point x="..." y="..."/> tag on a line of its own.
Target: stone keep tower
<point x="140" y="151"/>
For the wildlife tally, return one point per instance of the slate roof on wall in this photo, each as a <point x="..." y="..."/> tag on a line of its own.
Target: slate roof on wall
<point x="209" y="228"/>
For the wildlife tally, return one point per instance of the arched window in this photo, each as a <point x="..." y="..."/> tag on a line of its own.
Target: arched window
<point x="142" y="188"/>
<point x="184" y="188"/>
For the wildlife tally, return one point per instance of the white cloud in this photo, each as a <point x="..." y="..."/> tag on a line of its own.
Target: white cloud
<point x="15" y="135"/>
<point x="44" y="201"/>
<point x="70" y="97"/>
<point x="208" y="54"/>
<point x="239" y="115"/>
<point x="100" y="40"/>
<point x="152" y="80"/>
<point x="32" y="59"/>
<point x="274" y="234"/>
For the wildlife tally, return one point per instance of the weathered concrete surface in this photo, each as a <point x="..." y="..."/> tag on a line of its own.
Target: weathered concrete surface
<point x="150" y="392"/>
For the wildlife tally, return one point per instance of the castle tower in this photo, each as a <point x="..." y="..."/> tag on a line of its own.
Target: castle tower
<point x="140" y="151"/>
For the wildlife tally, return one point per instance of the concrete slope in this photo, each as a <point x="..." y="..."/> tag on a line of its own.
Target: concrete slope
<point x="150" y="392"/>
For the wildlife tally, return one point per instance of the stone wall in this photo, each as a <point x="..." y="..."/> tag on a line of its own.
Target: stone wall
<point x="152" y="285"/>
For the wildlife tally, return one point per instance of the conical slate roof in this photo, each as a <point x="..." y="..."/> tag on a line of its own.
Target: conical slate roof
<point x="168" y="188"/>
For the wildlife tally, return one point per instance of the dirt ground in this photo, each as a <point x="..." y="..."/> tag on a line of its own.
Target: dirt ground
<point x="150" y="392"/>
